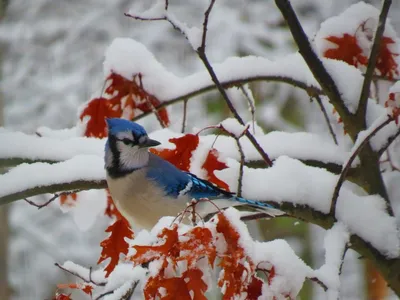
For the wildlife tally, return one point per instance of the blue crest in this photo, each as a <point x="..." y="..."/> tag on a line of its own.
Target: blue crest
<point x="116" y="125"/>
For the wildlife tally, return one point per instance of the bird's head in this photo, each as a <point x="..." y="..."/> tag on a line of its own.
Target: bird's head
<point x="127" y="146"/>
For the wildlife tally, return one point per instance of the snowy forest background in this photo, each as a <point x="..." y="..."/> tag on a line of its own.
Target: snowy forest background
<point x="52" y="54"/>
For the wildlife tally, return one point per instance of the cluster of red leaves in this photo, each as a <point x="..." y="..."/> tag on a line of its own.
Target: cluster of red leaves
<point x="124" y="98"/>
<point x="238" y="270"/>
<point x="195" y="245"/>
<point x="347" y="48"/>
<point x="84" y="287"/>
<point x="237" y="275"/>
<point x="393" y="104"/>
<point x="181" y="157"/>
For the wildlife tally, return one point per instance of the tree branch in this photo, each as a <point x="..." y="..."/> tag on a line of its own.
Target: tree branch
<point x="388" y="143"/>
<point x="315" y="64"/>
<point x="373" y="57"/>
<point x="54" y="188"/>
<point x="232" y="83"/>
<point x="87" y="280"/>
<point x="201" y="51"/>
<point x="346" y="168"/>
<point x="326" y="117"/>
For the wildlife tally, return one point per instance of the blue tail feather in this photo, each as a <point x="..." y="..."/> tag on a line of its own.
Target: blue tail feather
<point x="253" y="202"/>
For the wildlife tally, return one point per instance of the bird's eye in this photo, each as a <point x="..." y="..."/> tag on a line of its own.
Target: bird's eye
<point x="126" y="141"/>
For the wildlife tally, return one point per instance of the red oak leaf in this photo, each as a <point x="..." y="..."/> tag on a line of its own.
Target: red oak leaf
<point x="62" y="297"/>
<point x="254" y="289"/>
<point x="182" y="154"/>
<point x="347" y="50"/>
<point x="111" y="210"/>
<point x="198" y="243"/>
<point x="168" y="248"/>
<point x="235" y="274"/>
<point x="187" y="287"/>
<point x="131" y="95"/>
<point x="84" y="287"/>
<point x="173" y="288"/>
<point x="271" y="275"/>
<point x="195" y="283"/>
<point x="212" y="164"/>
<point x="386" y="63"/>
<point x="68" y="199"/>
<point x="393" y="105"/>
<point x="115" y="244"/>
<point x="97" y="110"/>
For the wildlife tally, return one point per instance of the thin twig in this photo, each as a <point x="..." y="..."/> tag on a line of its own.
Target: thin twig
<point x="104" y="294"/>
<point x="215" y="79"/>
<point x="241" y="167"/>
<point x="184" y="115"/>
<point x="90" y="280"/>
<point x="326" y="117"/>
<point x="150" y="104"/>
<point x="251" y="105"/>
<point x="342" y="261"/>
<point x="205" y="27"/>
<point x="373" y="58"/>
<point x="346" y="168"/>
<point x="319" y="282"/>
<point x="388" y="143"/>
<point x="201" y="51"/>
<point x="139" y="18"/>
<point x="39" y="206"/>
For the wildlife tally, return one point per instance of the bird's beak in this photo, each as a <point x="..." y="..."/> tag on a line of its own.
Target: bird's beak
<point x="149" y="143"/>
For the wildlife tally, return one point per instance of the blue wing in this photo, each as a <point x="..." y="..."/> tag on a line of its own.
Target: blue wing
<point x="176" y="183"/>
<point x="167" y="176"/>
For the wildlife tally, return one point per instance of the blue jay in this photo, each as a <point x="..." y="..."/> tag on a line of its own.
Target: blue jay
<point x="146" y="187"/>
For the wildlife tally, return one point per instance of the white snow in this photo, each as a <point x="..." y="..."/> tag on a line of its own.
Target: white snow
<point x="122" y="278"/>
<point x="359" y="20"/>
<point x="232" y="126"/>
<point x="80" y="167"/>
<point x="128" y="57"/>
<point x="335" y="242"/>
<point x="348" y="79"/>
<point x="96" y="275"/>
<point x="33" y="147"/>
<point x="290" y="270"/>
<point x="88" y="206"/>
<point x="300" y="145"/>
<point x="291" y="181"/>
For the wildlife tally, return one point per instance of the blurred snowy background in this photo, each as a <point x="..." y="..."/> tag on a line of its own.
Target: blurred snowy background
<point x="52" y="53"/>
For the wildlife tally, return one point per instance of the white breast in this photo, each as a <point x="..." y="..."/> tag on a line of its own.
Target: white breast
<point x="140" y="201"/>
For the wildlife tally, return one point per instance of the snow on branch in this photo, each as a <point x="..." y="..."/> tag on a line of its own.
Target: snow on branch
<point x="85" y="157"/>
<point x="293" y="182"/>
<point x="18" y="147"/>
<point x="335" y="244"/>
<point x="77" y="173"/>
<point x="128" y="57"/>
